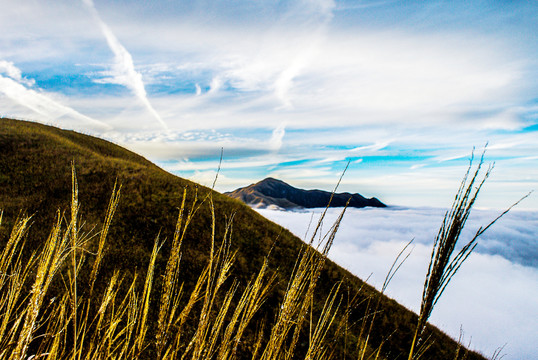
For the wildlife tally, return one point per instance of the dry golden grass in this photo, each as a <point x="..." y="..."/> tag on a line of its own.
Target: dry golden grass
<point x="76" y="325"/>
<point x="443" y="264"/>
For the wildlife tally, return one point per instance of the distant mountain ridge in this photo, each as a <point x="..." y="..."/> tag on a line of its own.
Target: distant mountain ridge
<point x="273" y="192"/>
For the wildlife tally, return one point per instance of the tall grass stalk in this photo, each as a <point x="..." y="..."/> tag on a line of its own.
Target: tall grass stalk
<point x="299" y="295"/>
<point x="369" y="319"/>
<point x="71" y="326"/>
<point x="443" y="264"/>
<point x="73" y="274"/>
<point x="49" y="262"/>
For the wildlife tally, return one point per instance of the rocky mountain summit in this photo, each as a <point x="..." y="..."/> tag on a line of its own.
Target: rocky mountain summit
<point x="272" y="192"/>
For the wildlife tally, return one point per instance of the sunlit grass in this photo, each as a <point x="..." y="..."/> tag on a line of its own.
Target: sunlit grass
<point x="132" y="319"/>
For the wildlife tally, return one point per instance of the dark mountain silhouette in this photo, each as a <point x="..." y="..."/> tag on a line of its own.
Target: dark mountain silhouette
<point x="271" y="191"/>
<point x="35" y="178"/>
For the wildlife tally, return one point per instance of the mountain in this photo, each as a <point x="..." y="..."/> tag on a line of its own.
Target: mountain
<point x="273" y="192"/>
<point x="35" y="179"/>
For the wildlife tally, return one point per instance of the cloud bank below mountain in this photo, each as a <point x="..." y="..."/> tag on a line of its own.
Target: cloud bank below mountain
<point x="492" y="297"/>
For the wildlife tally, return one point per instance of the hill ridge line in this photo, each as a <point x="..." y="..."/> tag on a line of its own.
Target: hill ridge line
<point x="271" y="192"/>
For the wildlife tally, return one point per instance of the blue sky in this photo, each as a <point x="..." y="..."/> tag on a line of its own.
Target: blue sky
<point x="290" y="89"/>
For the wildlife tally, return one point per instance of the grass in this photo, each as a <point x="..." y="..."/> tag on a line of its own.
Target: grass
<point x="443" y="264"/>
<point x="73" y="326"/>
<point x="164" y="274"/>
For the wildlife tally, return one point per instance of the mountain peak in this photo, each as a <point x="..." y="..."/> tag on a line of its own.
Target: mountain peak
<point x="270" y="181"/>
<point x="271" y="192"/>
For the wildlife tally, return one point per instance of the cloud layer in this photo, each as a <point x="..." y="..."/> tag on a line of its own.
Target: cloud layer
<point x="493" y="296"/>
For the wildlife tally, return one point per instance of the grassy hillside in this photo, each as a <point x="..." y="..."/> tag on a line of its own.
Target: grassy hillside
<point x="35" y="178"/>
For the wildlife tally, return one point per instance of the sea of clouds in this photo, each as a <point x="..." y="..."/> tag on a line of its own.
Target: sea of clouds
<point x="493" y="297"/>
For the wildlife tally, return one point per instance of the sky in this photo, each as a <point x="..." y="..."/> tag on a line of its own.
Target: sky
<point x="403" y="91"/>
<point x="492" y="298"/>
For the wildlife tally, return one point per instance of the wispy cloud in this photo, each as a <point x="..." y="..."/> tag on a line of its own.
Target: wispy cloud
<point x="15" y="73"/>
<point x="275" y="143"/>
<point x="406" y="89"/>
<point x="15" y="87"/>
<point x="124" y="72"/>
<point x="316" y="16"/>
<point x="370" y="148"/>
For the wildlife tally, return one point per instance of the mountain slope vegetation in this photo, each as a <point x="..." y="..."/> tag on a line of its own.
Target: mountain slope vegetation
<point x="36" y="179"/>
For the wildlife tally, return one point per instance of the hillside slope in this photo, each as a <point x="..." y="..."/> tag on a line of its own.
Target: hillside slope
<point x="275" y="192"/>
<point x="35" y="177"/>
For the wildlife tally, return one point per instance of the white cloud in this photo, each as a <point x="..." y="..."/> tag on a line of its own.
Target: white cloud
<point x="401" y="75"/>
<point x="124" y="72"/>
<point x="371" y="148"/>
<point x="329" y="77"/>
<point x="353" y="77"/>
<point x="298" y="173"/>
<point x="206" y="178"/>
<point x="15" y="73"/>
<point x="44" y="105"/>
<point x="493" y="296"/>
<point x="275" y="143"/>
